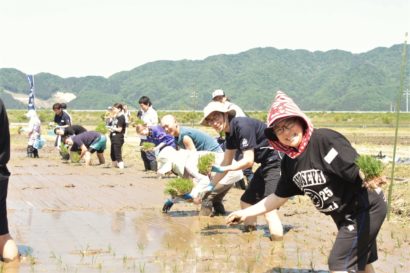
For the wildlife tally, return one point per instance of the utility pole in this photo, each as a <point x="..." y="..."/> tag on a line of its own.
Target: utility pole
<point x="406" y="93"/>
<point x="194" y="97"/>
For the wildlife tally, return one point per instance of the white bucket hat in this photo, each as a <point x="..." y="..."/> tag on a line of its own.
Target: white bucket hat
<point x="215" y="106"/>
<point x="170" y="159"/>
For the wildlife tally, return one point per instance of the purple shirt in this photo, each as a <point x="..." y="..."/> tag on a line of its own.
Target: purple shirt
<point x="157" y="136"/>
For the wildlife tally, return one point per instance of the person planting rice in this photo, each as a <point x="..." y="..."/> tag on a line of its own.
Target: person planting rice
<point x="247" y="135"/>
<point x="157" y="136"/>
<point x="88" y="143"/>
<point x="219" y="95"/>
<point x="189" y="138"/>
<point x="187" y="164"/>
<point x="321" y="164"/>
<point x="69" y="131"/>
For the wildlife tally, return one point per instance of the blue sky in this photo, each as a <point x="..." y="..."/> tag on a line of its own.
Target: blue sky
<point x="102" y="37"/>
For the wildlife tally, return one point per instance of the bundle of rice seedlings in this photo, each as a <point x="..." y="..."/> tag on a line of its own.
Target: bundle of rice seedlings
<point x="75" y="157"/>
<point x="178" y="186"/>
<point x="371" y="170"/>
<point x="136" y="122"/>
<point x="64" y="152"/>
<point x="370" y="167"/>
<point x="205" y="163"/>
<point x="147" y="146"/>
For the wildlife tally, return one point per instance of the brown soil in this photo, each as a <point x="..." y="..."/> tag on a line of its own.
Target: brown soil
<point x="99" y="219"/>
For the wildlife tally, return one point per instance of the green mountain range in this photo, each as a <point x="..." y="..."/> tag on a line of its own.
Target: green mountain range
<point x="334" y="80"/>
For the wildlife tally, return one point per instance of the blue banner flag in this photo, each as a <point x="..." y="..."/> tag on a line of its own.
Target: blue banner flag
<point x="31" y="105"/>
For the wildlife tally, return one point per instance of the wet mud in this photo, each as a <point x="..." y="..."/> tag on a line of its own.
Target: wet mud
<point x="100" y="219"/>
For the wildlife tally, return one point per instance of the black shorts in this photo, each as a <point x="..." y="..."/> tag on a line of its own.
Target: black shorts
<point x="264" y="182"/>
<point x="355" y="244"/>
<point x="4" y="226"/>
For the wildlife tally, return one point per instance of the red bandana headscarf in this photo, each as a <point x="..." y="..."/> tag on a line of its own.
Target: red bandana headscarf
<point x="282" y="108"/>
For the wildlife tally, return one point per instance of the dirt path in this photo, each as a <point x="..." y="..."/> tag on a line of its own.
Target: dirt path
<point x="98" y="219"/>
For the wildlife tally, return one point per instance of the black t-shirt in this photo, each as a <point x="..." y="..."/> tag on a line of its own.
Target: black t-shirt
<point x="325" y="171"/>
<point x="63" y="119"/>
<point x="247" y="133"/>
<point x="118" y="122"/>
<point x="4" y="141"/>
<point x="74" y="130"/>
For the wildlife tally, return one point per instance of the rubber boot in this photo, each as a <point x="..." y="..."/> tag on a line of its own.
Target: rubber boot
<point x="240" y="184"/>
<point x="35" y="153"/>
<point x="153" y="165"/>
<point x="206" y="208"/>
<point x="219" y="209"/>
<point x="30" y="151"/>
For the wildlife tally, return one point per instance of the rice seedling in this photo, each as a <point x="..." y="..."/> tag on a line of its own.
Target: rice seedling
<point x="299" y="263"/>
<point x="65" y="153"/>
<point x="124" y="261"/>
<point x="141" y="247"/>
<point x="75" y="157"/>
<point x="178" y="186"/>
<point x="370" y="166"/>
<point x="141" y="267"/>
<point x="147" y="146"/>
<point x="205" y="163"/>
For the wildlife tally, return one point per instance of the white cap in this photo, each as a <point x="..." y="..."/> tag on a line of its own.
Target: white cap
<point x="215" y="106"/>
<point x="218" y="93"/>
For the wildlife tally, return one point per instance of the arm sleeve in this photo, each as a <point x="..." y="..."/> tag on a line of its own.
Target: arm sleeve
<point x="4" y="135"/>
<point x="338" y="157"/>
<point x="286" y="188"/>
<point x="67" y="119"/>
<point x="121" y="122"/>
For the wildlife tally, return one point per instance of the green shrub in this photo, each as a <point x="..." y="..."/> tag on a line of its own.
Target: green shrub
<point x="387" y="120"/>
<point x="178" y="186"/>
<point x="205" y="163"/>
<point x="101" y="128"/>
<point x="370" y="166"/>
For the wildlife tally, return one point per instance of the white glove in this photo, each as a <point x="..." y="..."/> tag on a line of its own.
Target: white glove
<point x="204" y="185"/>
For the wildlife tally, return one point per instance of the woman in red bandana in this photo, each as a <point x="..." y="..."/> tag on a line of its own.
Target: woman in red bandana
<point x="320" y="163"/>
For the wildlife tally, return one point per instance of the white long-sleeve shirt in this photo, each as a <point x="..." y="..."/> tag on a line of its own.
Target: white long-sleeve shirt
<point x="150" y="117"/>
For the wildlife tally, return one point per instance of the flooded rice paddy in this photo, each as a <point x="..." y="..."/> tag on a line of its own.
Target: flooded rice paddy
<point x="98" y="219"/>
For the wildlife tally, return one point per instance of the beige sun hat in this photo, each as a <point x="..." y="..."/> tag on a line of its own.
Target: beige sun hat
<point x="170" y="159"/>
<point x="215" y="106"/>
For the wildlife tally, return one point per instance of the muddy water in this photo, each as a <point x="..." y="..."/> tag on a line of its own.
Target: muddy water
<point x="98" y="219"/>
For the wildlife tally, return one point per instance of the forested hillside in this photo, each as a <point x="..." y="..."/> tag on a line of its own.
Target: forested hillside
<point x="332" y="80"/>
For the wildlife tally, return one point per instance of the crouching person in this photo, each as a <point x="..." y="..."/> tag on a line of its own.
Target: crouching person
<point x="88" y="143"/>
<point x="184" y="163"/>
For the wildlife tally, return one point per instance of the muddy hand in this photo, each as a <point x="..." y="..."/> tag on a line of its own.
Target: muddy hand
<point x="234" y="218"/>
<point x="375" y="183"/>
